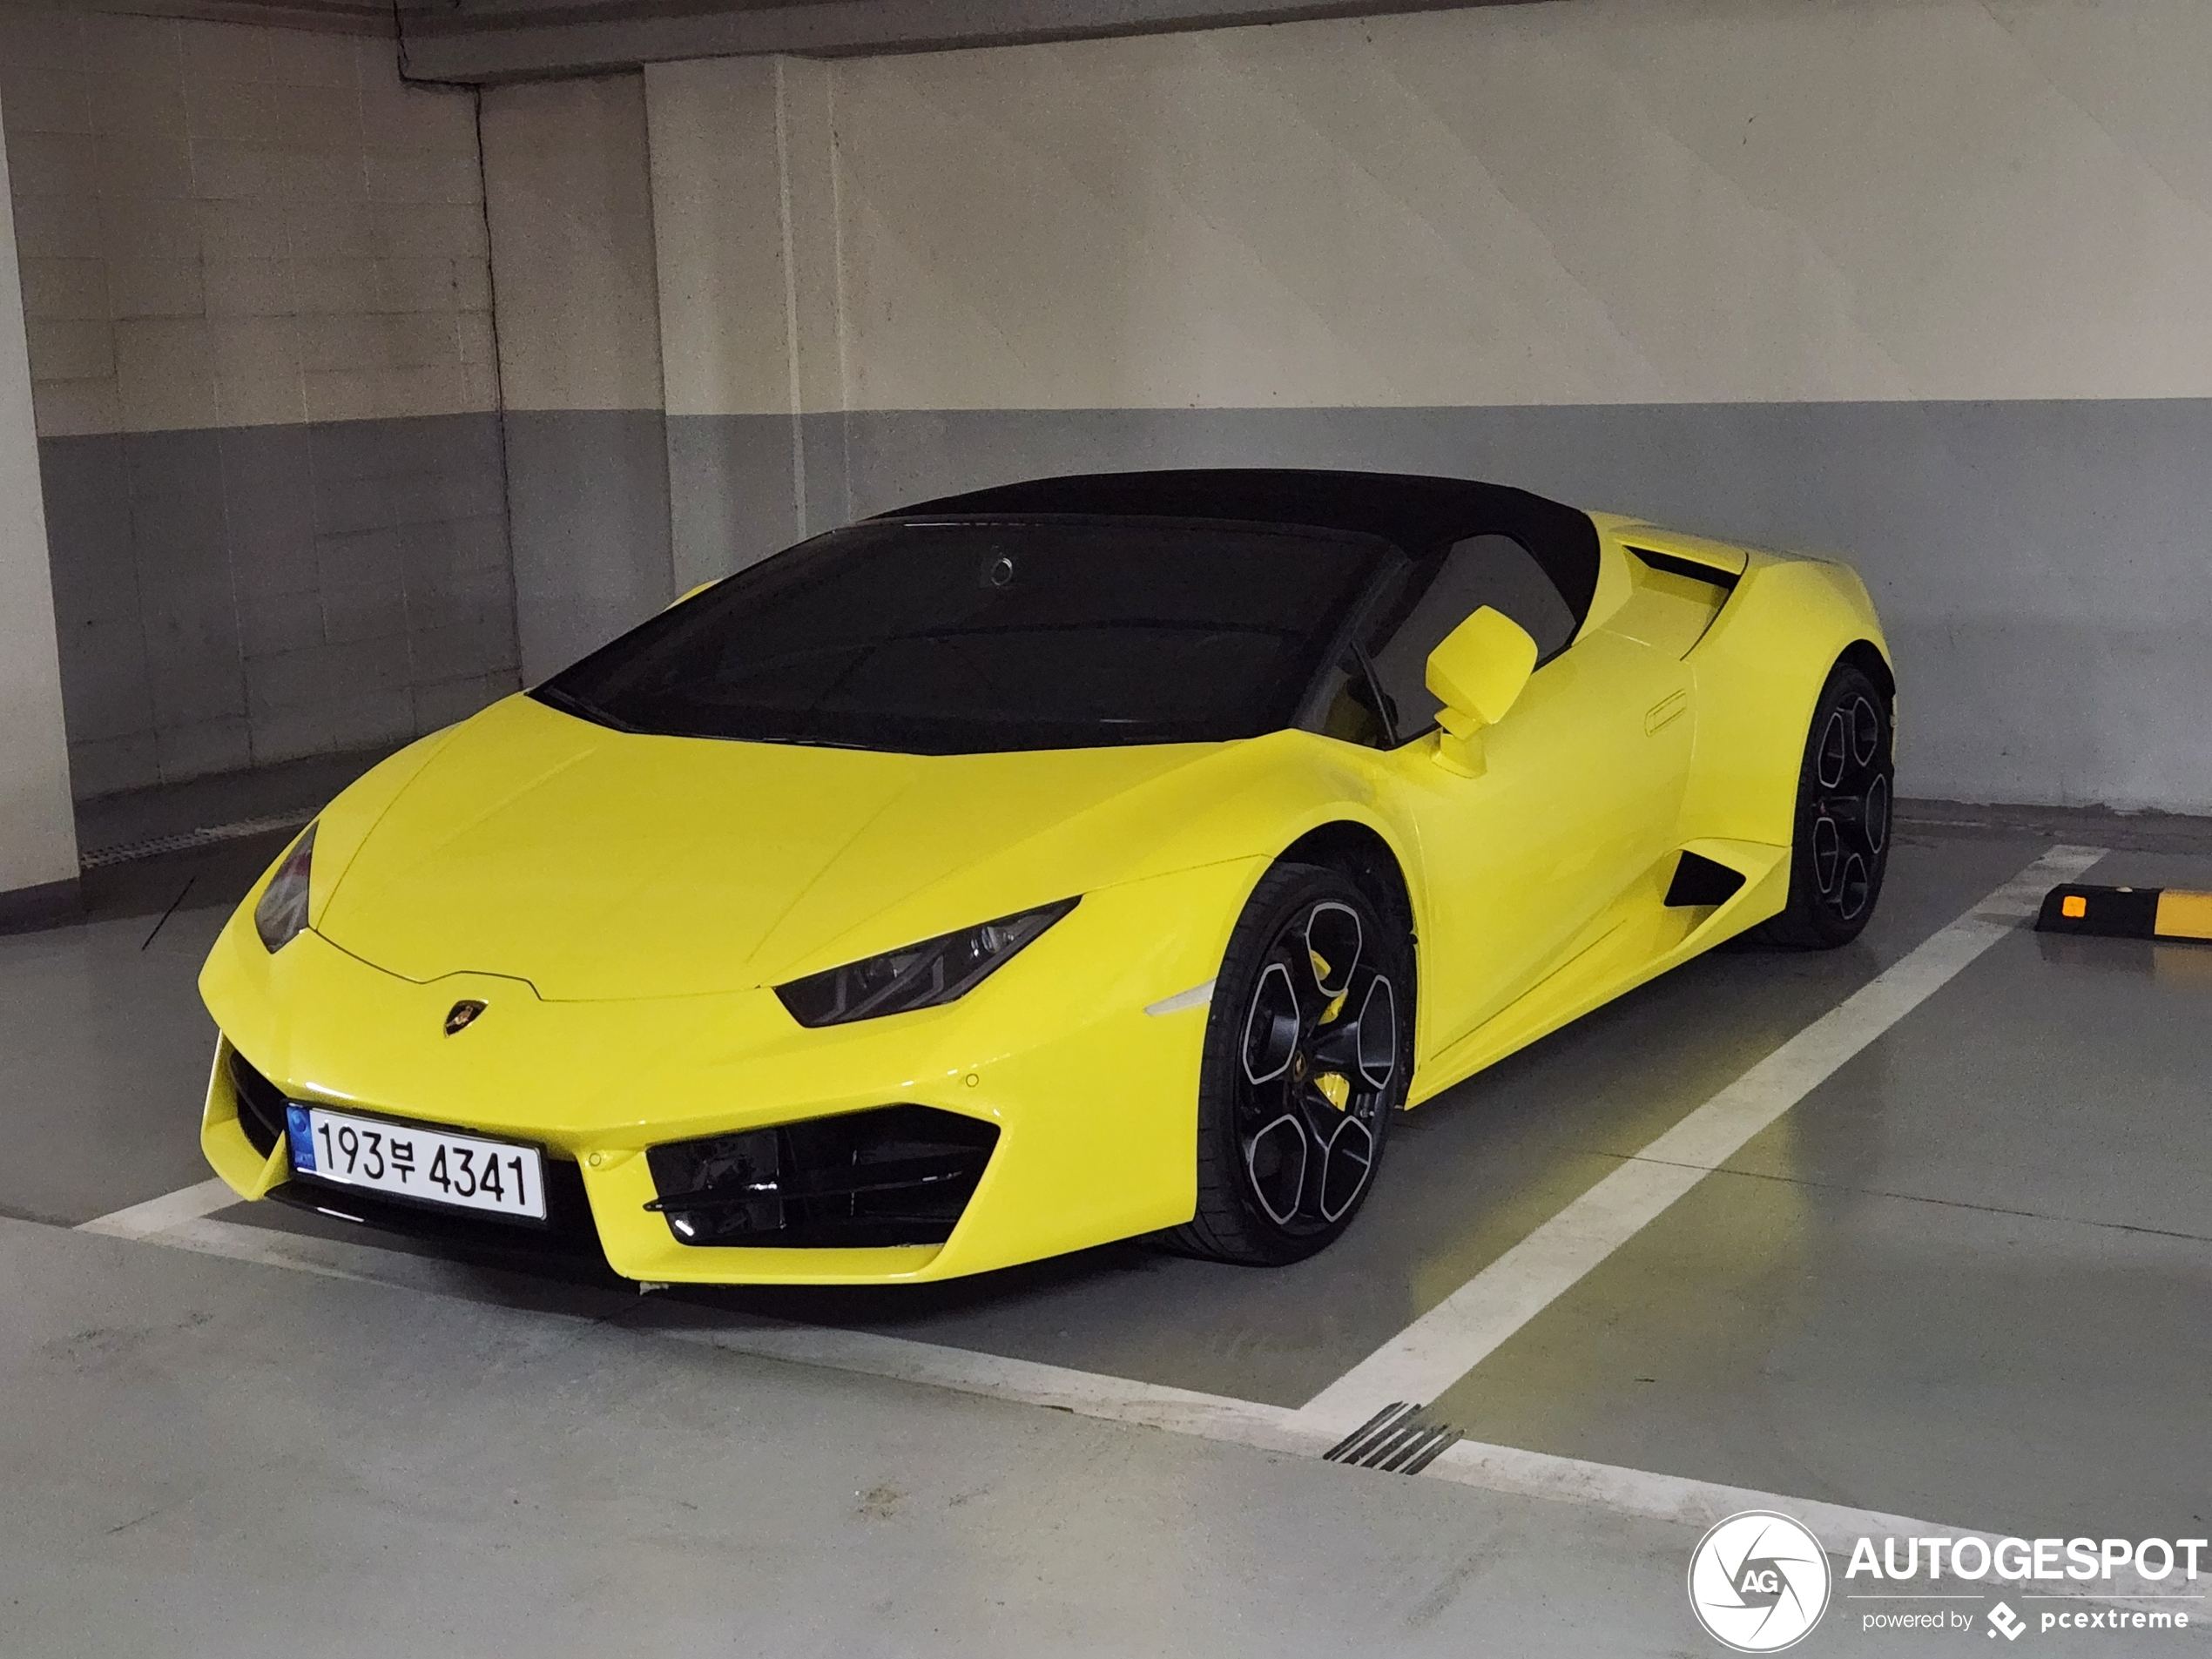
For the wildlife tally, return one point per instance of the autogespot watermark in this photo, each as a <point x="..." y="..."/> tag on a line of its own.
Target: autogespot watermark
<point x="1759" y="1582"/>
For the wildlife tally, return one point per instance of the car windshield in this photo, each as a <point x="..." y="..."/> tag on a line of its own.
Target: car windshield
<point x="967" y="636"/>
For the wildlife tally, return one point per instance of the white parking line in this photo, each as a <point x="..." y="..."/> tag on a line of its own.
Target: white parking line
<point x="399" y="1270"/>
<point x="1121" y="1400"/>
<point x="1087" y="1394"/>
<point x="159" y="1215"/>
<point x="1434" y="1351"/>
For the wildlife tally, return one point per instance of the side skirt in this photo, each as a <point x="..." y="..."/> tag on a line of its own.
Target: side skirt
<point x="1636" y="938"/>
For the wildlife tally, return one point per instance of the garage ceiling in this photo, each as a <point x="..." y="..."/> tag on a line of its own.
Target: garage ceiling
<point x="338" y="17"/>
<point x="497" y="40"/>
<point x="480" y="40"/>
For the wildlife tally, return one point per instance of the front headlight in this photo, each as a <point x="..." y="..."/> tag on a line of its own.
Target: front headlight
<point x="919" y="976"/>
<point x="281" y="916"/>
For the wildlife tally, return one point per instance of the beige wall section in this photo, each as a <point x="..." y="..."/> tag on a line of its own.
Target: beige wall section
<point x="571" y="214"/>
<point x="749" y="231"/>
<point x="1715" y="201"/>
<point x="226" y="225"/>
<point x="823" y="342"/>
<point x="720" y="225"/>
<point x="38" y="829"/>
<point x="747" y="206"/>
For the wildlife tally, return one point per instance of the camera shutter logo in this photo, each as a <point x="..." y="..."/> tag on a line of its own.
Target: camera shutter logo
<point x="1758" y="1581"/>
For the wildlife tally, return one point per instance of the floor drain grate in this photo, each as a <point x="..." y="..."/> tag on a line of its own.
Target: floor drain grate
<point x="1398" y="1438"/>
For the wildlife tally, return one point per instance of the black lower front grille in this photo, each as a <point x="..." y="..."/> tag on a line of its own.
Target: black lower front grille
<point x="567" y="1229"/>
<point x="260" y="1105"/>
<point x="898" y="1175"/>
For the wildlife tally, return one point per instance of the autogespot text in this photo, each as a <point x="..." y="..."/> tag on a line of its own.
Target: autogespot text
<point x="2026" y="1560"/>
<point x="2019" y="1561"/>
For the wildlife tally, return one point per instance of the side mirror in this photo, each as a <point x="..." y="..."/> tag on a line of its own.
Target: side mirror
<point x="1478" y="673"/>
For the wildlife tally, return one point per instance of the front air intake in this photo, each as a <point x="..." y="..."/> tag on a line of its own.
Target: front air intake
<point x="898" y="1175"/>
<point x="260" y="1105"/>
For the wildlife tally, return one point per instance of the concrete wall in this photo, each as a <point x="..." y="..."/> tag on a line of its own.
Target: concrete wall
<point x="256" y="285"/>
<point x="1917" y="281"/>
<point x="37" y="834"/>
<point x="579" y="350"/>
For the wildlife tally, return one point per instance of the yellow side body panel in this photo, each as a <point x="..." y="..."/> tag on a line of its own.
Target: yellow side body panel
<point x="623" y="904"/>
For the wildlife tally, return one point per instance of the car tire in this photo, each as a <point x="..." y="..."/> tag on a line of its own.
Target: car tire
<point x="1307" y="1057"/>
<point x="1840" y="843"/>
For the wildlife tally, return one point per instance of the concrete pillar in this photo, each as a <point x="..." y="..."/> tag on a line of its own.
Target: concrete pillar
<point x="751" y="305"/>
<point x="37" y="827"/>
<point x="815" y="319"/>
<point x="571" y="206"/>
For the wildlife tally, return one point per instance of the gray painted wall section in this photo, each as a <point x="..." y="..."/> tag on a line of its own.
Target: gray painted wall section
<point x="233" y="597"/>
<point x="2044" y="569"/>
<point x="590" y="490"/>
<point x="732" y="486"/>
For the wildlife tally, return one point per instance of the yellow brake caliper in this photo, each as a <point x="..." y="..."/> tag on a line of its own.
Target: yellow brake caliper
<point x="1335" y="1087"/>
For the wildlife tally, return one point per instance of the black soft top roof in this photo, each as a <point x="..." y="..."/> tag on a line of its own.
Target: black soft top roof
<point x="1416" y="514"/>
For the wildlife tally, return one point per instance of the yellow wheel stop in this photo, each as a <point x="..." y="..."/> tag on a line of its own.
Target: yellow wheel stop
<point x="2127" y="912"/>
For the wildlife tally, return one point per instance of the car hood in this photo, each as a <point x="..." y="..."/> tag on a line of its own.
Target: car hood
<point x="598" y="864"/>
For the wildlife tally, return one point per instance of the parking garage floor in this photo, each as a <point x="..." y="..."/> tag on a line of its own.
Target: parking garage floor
<point x="1918" y="1229"/>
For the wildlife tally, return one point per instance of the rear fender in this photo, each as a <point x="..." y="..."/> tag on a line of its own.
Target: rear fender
<point x="1759" y="672"/>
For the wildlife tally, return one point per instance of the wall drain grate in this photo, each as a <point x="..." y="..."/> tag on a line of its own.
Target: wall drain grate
<point x="101" y="858"/>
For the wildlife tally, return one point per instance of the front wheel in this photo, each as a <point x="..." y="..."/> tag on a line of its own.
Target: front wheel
<point x="1840" y="847"/>
<point x="1309" y="1049"/>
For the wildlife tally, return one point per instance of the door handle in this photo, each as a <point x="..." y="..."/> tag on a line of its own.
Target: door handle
<point x="1664" y="712"/>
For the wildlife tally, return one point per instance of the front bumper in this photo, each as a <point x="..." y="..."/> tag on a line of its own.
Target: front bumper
<point x="1094" y="1101"/>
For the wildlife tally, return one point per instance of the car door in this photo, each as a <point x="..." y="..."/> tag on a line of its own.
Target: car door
<point x="1579" y="797"/>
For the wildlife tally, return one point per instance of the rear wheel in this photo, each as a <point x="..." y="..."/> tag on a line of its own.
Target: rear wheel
<point x="1840" y="848"/>
<point x="1308" y="1051"/>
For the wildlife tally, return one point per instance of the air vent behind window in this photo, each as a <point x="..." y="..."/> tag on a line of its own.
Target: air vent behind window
<point x="1674" y="601"/>
<point x="1675" y="564"/>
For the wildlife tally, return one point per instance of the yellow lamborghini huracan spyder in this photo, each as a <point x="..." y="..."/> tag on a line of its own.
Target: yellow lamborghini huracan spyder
<point x="1059" y="863"/>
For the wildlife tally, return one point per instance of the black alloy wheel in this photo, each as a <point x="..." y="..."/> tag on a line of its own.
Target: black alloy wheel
<point x="1308" y="1052"/>
<point x="1841" y="845"/>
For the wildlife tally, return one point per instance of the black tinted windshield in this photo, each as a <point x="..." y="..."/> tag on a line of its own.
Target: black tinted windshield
<point x="969" y="637"/>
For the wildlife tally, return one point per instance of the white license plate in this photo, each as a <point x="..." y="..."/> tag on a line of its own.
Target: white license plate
<point x="431" y="1165"/>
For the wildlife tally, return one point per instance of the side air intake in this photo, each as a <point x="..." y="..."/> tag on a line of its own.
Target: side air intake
<point x="1701" y="882"/>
